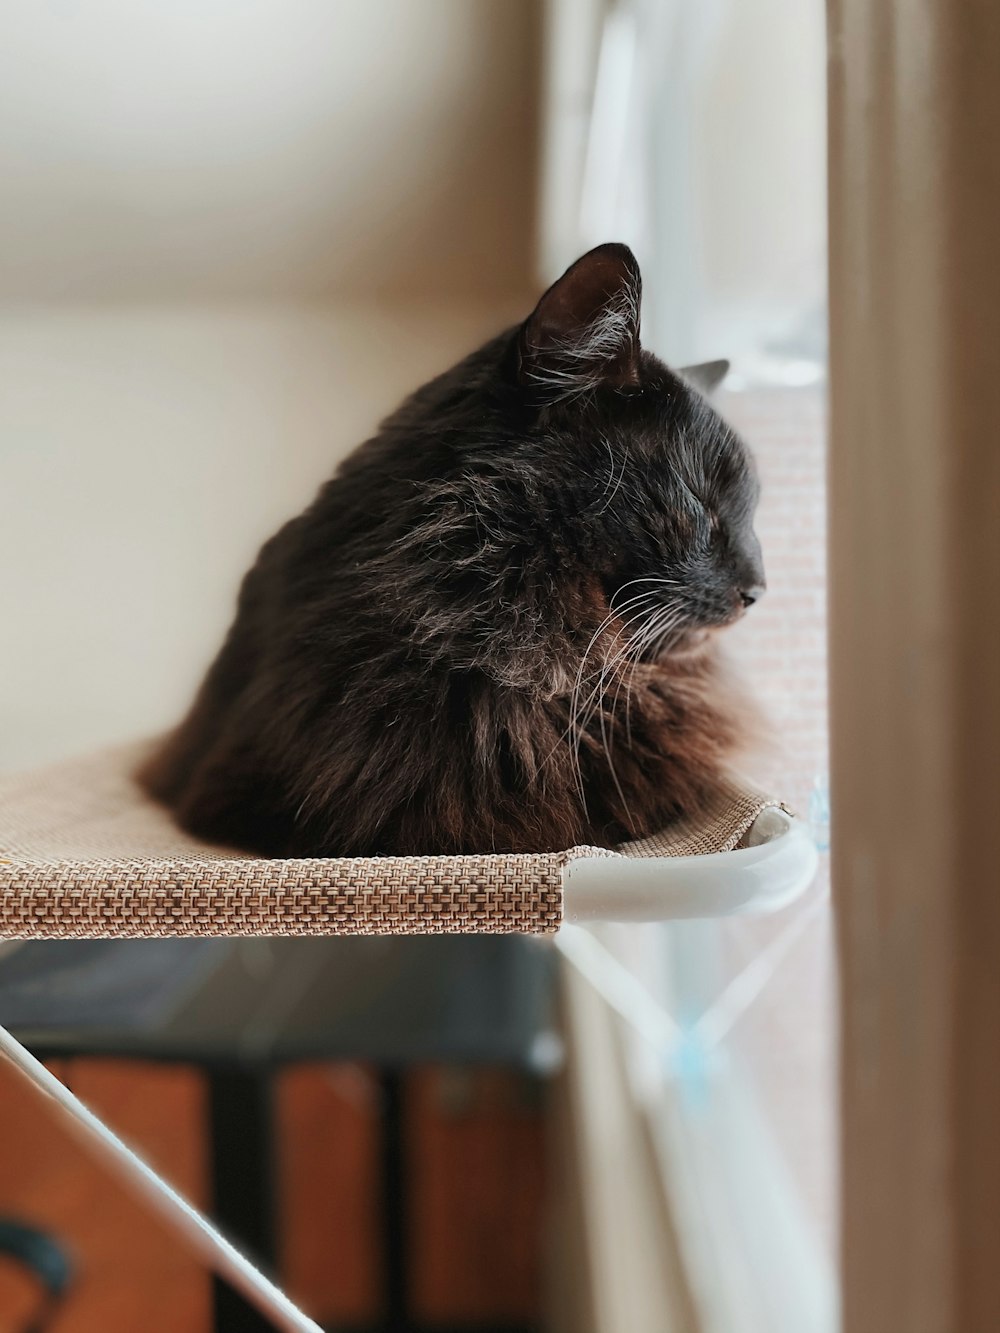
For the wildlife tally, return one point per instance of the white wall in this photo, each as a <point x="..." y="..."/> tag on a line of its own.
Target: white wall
<point x="146" y="454"/>
<point x="168" y="149"/>
<point x="233" y="233"/>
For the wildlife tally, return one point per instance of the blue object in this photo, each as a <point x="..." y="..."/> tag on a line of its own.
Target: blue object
<point x="819" y="812"/>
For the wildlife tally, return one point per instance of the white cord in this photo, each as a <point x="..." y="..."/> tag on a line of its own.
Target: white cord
<point x="213" y="1247"/>
<point x="738" y="995"/>
<point x="631" y="1000"/>
<point x="618" y="987"/>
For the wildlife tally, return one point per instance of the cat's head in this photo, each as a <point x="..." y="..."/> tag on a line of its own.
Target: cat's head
<point x="668" y="526"/>
<point x="559" y="481"/>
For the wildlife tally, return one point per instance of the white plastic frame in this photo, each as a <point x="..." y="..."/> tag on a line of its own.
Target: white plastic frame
<point x="775" y="867"/>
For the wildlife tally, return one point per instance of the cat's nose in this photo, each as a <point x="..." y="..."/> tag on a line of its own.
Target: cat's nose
<point x="752" y="594"/>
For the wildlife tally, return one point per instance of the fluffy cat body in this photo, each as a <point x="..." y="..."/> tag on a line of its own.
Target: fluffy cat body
<point x="495" y="628"/>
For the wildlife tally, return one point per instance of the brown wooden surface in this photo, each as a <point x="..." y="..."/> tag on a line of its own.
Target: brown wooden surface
<point x="475" y="1147"/>
<point x="328" y="1193"/>
<point x="475" y="1157"/>
<point x="132" y="1274"/>
<point x="915" y="655"/>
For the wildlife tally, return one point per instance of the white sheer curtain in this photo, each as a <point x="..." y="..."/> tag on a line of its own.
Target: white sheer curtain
<point x="696" y="133"/>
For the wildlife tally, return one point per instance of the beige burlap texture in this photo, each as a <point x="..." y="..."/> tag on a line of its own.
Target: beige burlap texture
<point x="85" y="854"/>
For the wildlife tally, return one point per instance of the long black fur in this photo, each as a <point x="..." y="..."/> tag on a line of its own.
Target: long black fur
<point x="442" y="653"/>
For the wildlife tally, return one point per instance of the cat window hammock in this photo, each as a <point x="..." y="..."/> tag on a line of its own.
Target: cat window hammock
<point x="85" y="854"/>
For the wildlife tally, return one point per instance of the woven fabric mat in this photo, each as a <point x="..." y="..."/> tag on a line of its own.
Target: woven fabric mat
<point x="85" y="854"/>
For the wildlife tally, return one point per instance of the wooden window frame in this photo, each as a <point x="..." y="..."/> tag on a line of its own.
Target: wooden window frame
<point x="914" y="500"/>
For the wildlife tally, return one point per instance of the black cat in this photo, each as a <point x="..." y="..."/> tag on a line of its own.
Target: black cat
<point x="494" y="628"/>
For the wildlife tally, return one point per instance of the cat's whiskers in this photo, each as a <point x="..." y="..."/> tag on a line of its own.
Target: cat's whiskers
<point x="576" y="727"/>
<point x="661" y="622"/>
<point x="611" y="475"/>
<point x="648" y="634"/>
<point x="625" y="642"/>
<point x="632" y="601"/>
<point x="672" y="614"/>
<point x="608" y="716"/>
<point x="616" y="486"/>
<point x="596" y="699"/>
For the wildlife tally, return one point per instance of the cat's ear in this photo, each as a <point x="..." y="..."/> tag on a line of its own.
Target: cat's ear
<point x="707" y="375"/>
<point x="584" y="332"/>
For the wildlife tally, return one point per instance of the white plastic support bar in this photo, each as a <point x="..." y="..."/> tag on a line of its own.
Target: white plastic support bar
<point x="221" y="1256"/>
<point x="775" y="867"/>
